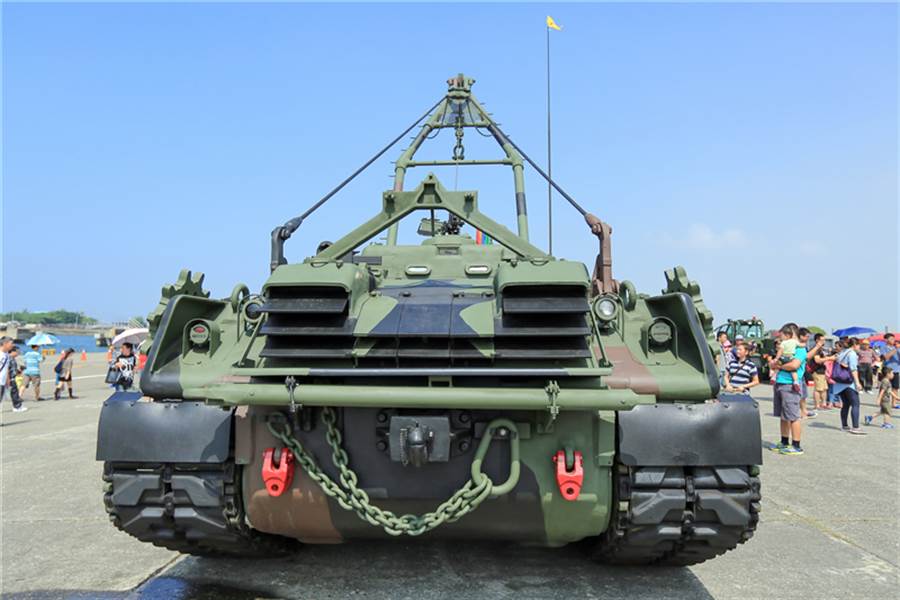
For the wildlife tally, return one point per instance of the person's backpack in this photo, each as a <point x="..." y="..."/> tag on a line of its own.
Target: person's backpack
<point x="58" y="368"/>
<point x="840" y="372"/>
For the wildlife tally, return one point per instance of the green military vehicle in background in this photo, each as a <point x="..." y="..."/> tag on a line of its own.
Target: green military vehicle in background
<point x="761" y="342"/>
<point x="449" y="389"/>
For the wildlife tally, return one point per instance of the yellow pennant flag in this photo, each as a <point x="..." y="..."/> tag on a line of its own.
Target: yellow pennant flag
<point x="552" y="24"/>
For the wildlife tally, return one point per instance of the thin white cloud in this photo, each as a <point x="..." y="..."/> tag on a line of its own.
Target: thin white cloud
<point x="811" y="248"/>
<point x="700" y="236"/>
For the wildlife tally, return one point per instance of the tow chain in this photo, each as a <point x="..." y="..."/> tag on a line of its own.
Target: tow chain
<point x="351" y="497"/>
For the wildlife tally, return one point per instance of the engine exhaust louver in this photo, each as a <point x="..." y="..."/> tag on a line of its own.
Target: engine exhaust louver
<point x="547" y="323"/>
<point x="309" y="323"/>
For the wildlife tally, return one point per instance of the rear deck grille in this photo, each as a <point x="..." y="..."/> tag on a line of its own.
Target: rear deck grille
<point x="309" y="326"/>
<point x="546" y="323"/>
<point x="307" y="323"/>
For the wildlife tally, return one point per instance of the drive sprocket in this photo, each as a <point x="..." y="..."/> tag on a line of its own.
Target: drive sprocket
<point x="188" y="284"/>
<point x="677" y="281"/>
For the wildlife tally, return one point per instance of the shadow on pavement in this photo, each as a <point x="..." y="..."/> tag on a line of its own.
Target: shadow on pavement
<point x="156" y="589"/>
<point x="821" y="425"/>
<point x="420" y="569"/>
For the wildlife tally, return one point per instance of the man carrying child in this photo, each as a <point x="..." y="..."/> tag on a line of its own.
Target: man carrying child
<point x="787" y="404"/>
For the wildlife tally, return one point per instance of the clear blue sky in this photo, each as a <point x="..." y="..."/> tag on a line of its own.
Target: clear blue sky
<point x="754" y="144"/>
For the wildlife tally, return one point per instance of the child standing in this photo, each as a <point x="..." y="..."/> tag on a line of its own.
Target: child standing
<point x="886" y="398"/>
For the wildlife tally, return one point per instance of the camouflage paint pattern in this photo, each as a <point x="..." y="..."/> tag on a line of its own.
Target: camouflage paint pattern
<point x="443" y="327"/>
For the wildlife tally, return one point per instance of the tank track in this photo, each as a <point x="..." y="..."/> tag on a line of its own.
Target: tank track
<point x="679" y="516"/>
<point x="195" y="509"/>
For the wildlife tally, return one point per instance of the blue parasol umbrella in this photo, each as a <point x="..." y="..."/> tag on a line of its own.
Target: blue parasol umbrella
<point x="854" y="331"/>
<point x="42" y="339"/>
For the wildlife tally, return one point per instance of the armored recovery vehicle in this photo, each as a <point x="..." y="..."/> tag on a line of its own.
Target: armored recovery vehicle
<point x="753" y="332"/>
<point x="447" y="389"/>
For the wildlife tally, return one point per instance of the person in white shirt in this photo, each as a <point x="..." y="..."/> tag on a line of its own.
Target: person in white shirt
<point x="6" y="344"/>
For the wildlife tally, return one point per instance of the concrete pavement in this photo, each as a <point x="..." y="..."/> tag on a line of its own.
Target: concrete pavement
<point x="829" y="529"/>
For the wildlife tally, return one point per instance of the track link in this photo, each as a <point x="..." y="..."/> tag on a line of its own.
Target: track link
<point x="195" y="509"/>
<point x="679" y="515"/>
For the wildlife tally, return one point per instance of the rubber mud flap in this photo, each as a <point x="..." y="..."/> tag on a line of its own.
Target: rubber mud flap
<point x="158" y="432"/>
<point x="722" y="433"/>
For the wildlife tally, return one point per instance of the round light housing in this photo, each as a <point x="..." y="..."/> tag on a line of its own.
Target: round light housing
<point x="660" y="333"/>
<point x="199" y="334"/>
<point x="606" y="309"/>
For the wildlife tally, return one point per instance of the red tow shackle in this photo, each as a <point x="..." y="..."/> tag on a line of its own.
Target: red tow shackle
<point x="278" y="477"/>
<point x="569" y="482"/>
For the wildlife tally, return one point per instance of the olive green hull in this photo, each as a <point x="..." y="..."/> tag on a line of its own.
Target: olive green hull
<point x="451" y="388"/>
<point x="137" y="435"/>
<point x="533" y="512"/>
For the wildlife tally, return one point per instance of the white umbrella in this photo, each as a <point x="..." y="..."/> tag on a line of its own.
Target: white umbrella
<point x="135" y="336"/>
<point x="42" y="339"/>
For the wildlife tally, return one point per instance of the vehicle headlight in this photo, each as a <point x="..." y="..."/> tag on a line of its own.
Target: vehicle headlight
<point x="606" y="308"/>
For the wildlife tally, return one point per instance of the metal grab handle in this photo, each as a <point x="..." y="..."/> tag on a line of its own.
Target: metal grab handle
<point x="514" y="466"/>
<point x="239" y="293"/>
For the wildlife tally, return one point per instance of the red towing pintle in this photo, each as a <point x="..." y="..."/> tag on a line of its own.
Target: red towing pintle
<point x="278" y="478"/>
<point x="569" y="482"/>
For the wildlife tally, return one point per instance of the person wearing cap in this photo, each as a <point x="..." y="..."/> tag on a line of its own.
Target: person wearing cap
<point x="866" y="358"/>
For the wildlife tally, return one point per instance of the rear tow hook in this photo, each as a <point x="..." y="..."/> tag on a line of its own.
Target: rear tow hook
<point x="278" y="472"/>
<point x="569" y="479"/>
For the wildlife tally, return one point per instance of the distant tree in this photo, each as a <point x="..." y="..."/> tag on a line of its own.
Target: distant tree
<point x="52" y="317"/>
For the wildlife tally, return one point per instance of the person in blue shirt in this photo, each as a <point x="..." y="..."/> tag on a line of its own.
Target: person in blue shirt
<point x="890" y="357"/>
<point x="32" y="374"/>
<point x="786" y="401"/>
<point x="848" y="392"/>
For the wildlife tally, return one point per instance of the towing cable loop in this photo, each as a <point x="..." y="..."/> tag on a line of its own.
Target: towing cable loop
<point x="351" y="497"/>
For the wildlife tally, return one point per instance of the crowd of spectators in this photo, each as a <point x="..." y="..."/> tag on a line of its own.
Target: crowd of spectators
<point x="16" y="378"/>
<point x="837" y="374"/>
